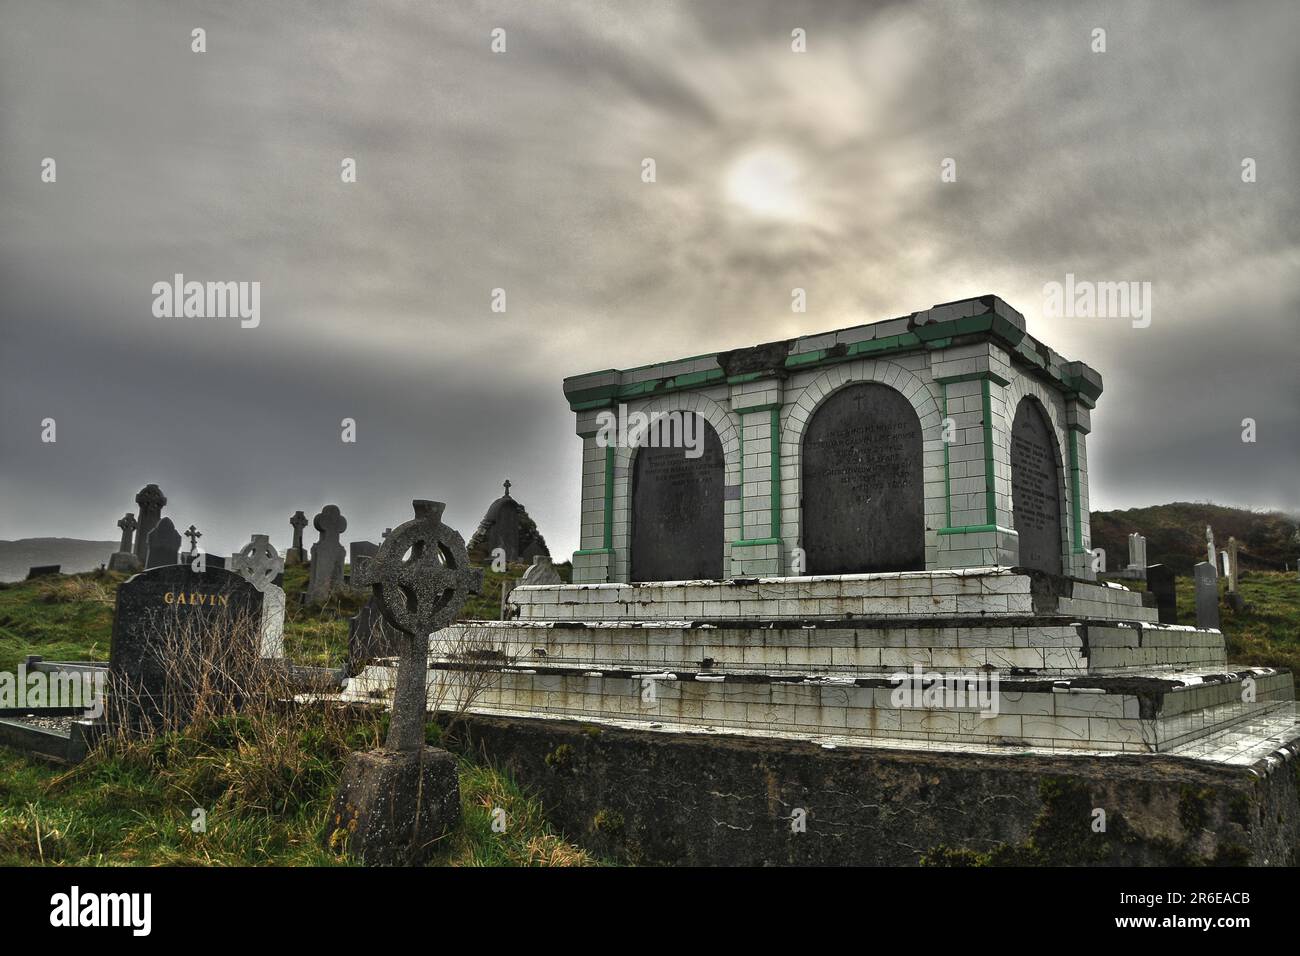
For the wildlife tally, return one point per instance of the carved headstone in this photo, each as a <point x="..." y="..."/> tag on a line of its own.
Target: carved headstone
<point x="677" y="511"/>
<point x="359" y="552"/>
<point x="259" y="564"/>
<point x="296" y="554"/>
<point x="862" y="488"/>
<point x="327" y="555"/>
<point x="1207" y="595"/>
<point x="1211" y="553"/>
<point x="1035" y="489"/>
<point x="124" y="558"/>
<point x="164" y="545"/>
<point x="151" y="500"/>
<point x="177" y="633"/>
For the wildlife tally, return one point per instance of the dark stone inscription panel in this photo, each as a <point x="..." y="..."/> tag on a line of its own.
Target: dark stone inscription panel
<point x="863" y="496"/>
<point x="677" y="512"/>
<point x="1035" y="489"/>
<point x="174" y="630"/>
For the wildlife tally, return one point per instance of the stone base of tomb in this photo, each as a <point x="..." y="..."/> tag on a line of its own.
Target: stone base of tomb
<point x="991" y="657"/>
<point x="392" y="807"/>
<point x="683" y="795"/>
<point x="991" y="664"/>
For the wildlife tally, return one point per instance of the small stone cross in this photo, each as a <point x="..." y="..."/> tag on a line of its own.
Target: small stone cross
<point x="507" y="487"/>
<point x="128" y="526"/>
<point x="258" y="562"/>
<point x="193" y="534"/>
<point x="298" y="521"/>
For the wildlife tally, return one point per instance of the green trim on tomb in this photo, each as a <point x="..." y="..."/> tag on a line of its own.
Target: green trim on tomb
<point x="1071" y="376"/>
<point x="754" y="542"/>
<point x="976" y="529"/>
<point x="947" y="468"/>
<point x="990" y="492"/>
<point x="1076" y="512"/>
<point x="776" y="470"/>
<point x="609" y="498"/>
<point x="583" y="552"/>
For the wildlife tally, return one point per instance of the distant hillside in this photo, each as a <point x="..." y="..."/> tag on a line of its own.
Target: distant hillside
<point x="73" y="553"/>
<point x="1175" y="535"/>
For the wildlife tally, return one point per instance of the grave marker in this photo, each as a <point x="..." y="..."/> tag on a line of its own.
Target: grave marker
<point x="394" y="803"/>
<point x="164" y="545"/>
<point x="151" y="500"/>
<point x="296" y="554"/>
<point x="677" y="512"/>
<point x="1035" y="489"/>
<point x="862" y="493"/>
<point x="174" y="631"/>
<point x="1207" y="595"/>
<point x="327" y="555"/>
<point x="1160" y="582"/>
<point x="259" y="564"/>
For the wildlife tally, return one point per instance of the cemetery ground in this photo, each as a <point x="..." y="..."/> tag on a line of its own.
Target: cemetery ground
<point x="267" y="796"/>
<point x="265" y="781"/>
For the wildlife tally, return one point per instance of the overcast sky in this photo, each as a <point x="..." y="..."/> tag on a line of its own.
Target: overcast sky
<point x="522" y="170"/>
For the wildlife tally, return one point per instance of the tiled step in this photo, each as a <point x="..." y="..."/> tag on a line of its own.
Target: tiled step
<point x="968" y="593"/>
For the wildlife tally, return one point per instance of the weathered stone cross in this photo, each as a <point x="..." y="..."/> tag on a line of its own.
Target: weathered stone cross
<point x="418" y="595"/>
<point x="193" y="534"/>
<point x="128" y="526"/>
<point x="258" y="562"/>
<point x="507" y="487"/>
<point x="299" y="521"/>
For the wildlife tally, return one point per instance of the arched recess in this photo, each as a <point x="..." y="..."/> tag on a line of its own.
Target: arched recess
<point x="863" y="491"/>
<point x="677" y="526"/>
<point x="796" y="416"/>
<point x="1038" y="495"/>
<point x="722" y="428"/>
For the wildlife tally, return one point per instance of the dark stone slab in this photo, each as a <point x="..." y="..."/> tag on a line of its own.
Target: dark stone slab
<point x="370" y="637"/>
<point x="173" y="629"/>
<point x="677" y="512"/>
<point x="43" y="570"/>
<point x="1036" y="489"/>
<point x="164" y="545"/>
<point x="862" y="489"/>
<point x="1160" y="582"/>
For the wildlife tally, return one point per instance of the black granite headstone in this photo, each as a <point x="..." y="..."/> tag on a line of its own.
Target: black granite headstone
<point x="863" y="496"/>
<point x="677" y="512"/>
<point x="370" y="637"/>
<point x="1160" y="582"/>
<point x="42" y="570"/>
<point x="1036" y="489"/>
<point x="175" y="631"/>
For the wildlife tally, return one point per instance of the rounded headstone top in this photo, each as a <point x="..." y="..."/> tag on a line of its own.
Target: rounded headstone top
<point x="330" y="521"/>
<point x="150" y="496"/>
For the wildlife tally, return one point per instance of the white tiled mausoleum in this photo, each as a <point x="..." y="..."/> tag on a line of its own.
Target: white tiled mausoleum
<point x="966" y="368"/>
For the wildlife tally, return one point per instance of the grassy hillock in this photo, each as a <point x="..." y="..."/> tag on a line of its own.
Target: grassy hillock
<point x="1175" y="535"/>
